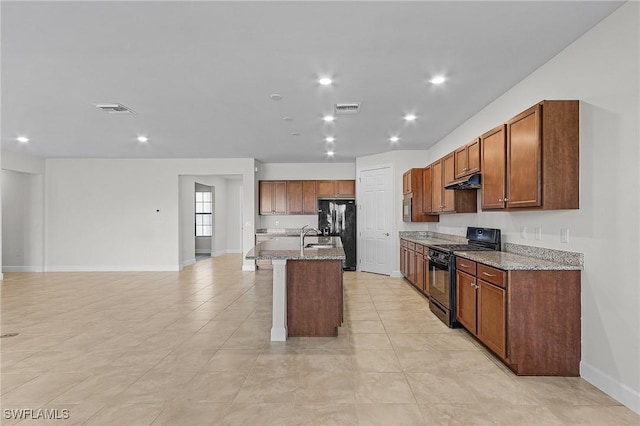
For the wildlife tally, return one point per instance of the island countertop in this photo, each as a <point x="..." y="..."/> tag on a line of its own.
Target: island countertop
<point x="289" y="248"/>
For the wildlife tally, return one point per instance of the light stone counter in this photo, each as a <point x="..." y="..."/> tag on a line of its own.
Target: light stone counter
<point x="512" y="262"/>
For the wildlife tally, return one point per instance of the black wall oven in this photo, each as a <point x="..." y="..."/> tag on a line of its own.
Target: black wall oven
<point x="442" y="273"/>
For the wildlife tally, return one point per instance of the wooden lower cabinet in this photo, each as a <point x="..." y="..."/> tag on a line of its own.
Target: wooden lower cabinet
<point x="314" y="297"/>
<point x="414" y="265"/>
<point x="529" y="318"/>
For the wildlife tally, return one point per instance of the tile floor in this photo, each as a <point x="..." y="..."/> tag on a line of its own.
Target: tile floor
<point x="192" y="348"/>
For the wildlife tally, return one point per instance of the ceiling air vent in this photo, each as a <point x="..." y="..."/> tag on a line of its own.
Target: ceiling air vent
<point x="115" y="108"/>
<point x="351" y="108"/>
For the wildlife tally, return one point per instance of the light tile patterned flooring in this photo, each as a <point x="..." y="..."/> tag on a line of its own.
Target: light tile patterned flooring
<point x="192" y="348"/>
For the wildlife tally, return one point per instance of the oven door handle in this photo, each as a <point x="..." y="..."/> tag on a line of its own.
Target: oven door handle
<point x="437" y="261"/>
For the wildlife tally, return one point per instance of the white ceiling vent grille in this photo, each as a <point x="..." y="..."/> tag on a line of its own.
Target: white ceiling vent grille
<point x="115" y="108"/>
<point x="350" y="108"/>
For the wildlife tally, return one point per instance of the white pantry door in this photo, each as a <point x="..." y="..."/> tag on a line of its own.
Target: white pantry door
<point x="374" y="217"/>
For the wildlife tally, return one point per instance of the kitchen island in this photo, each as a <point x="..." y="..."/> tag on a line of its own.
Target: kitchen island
<point x="307" y="284"/>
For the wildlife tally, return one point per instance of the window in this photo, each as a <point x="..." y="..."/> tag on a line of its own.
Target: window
<point x="204" y="214"/>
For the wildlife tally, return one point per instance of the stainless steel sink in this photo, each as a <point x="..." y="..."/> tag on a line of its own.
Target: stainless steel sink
<point x="319" y="246"/>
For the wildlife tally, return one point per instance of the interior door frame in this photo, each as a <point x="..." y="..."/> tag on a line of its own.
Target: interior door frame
<point x="359" y="219"/>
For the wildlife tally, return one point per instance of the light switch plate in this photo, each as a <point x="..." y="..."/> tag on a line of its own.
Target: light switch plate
<point x="564" y="235"/>
<point x="523" y="232"/>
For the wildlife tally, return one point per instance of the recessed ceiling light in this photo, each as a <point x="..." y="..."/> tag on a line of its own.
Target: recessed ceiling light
<point x="410" y="117"/>
<point x="22" y="139"/>
<point x="295" y="134"/>
<point x="330" y="153"/>
<point x="275" y="97"/>
<point x="329" y="139"/>
<point x="394" y="139"/>
<point x="143" y="139"/>
<point x="439" y="79"/>
<point x="328" y="118"/>
<point x="325" y="81"/>
<point x="287" y="118"/>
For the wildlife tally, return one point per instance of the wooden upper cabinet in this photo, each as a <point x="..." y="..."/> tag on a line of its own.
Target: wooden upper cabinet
<point x="448" y="172"/>
<point x="273" y="197"/>
<point x="406" y="182"/>
<point x="449" y="200"/>
<point x="346" y="188"/>
<point x="309" y="197"/>
<point x="336" y="188"/>
<point x="417" y="195"/>
<point x="532" y="162"/>
<point x="326" y="188"/>
<point x="437" y="203"/>
<point x="426" y="191"/>
<point x="494" y="172"/>
<point x="294" y="197"/>
<point x="467" y="159"/>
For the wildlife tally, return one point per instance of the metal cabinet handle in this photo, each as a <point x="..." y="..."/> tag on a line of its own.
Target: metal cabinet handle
<point x="506" y="199"/>
<point x="500" y="200"/>
<point x="488" y="275"/>
<point x="464" y="265"/>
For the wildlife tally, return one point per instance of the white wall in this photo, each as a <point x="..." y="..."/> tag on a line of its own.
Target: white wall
<point x="305" y="171"/>
<point x="233" y="211"/>
<point x="23" y="207"/>
<point x="601" y="70"/>
<point x="121" y="197"/>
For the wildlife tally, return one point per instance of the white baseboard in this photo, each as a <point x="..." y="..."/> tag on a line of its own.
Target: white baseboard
<point x="227" y="251"/>
<point x="112" y="268"/>
<point x="607" y="384"/>
<point x="248" y="268"/>
<point x="23" y="269"/>
<point x="396" y="274"/>
<point x="203" y="251"/>
<point x="234" y="251"/>
<point x="187" y="263"/>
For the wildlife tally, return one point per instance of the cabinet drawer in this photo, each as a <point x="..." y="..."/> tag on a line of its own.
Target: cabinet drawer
<point x="403" y="243"/>
<point x="492" y="275"/>
<point x="466" y="265"/>
<point x="419" y="248"/>
<point x="411" y="246"/>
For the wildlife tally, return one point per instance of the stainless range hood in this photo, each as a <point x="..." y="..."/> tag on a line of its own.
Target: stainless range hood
<point x="467" y="182"/>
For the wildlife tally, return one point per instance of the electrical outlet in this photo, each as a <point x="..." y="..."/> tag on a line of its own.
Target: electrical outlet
<point x="523" y="232"/>
<point x="538" y="232"/>
<point x="564" y="235"/>
<point x="277" y="223"/>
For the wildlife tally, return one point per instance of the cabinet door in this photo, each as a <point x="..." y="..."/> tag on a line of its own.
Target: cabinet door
<point x="266" y="189"/>
<point x="494" y="161"/>
<point x="524" y="145"/>
<point x="411" y="268"/>
<point x="406" y="182"/>
<point x="426" y="190"/>
<point x="461" y="162"/>
<point x="403" y="261"/>
<point x="473" y="156"/>
<point x="294" y="197"/>
<point x="346" y="188"/>
<point x="436" y="186"/>
<point x="466" y="300"/>
<point x="448" y="173"/>
<point x="326" y="188"/>
<point x="419" y="271"/>
<point x="491" y="317"/>
<point x="309" y="197"/>
<point x="280" y="198"/>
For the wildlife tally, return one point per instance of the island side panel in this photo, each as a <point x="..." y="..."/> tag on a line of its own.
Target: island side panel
<point x="279" y="318"/>
<point x="314" y="297"/>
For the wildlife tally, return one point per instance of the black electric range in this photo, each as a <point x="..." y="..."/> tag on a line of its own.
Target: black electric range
<point x="442" y="270"/>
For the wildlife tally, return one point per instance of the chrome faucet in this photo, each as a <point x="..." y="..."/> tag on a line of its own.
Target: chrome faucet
<point x="303" y="233"/>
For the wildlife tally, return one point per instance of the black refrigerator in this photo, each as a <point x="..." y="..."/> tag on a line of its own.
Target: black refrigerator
<point x="338" y="218"/>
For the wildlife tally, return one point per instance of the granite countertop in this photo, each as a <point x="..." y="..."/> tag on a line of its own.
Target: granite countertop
<point x="289" y="248"/>
<point x="428" y="241"/>
<point x="513" y="262"/>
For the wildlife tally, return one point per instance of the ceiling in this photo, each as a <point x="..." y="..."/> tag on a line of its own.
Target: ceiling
<point x="199" y="75"/>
